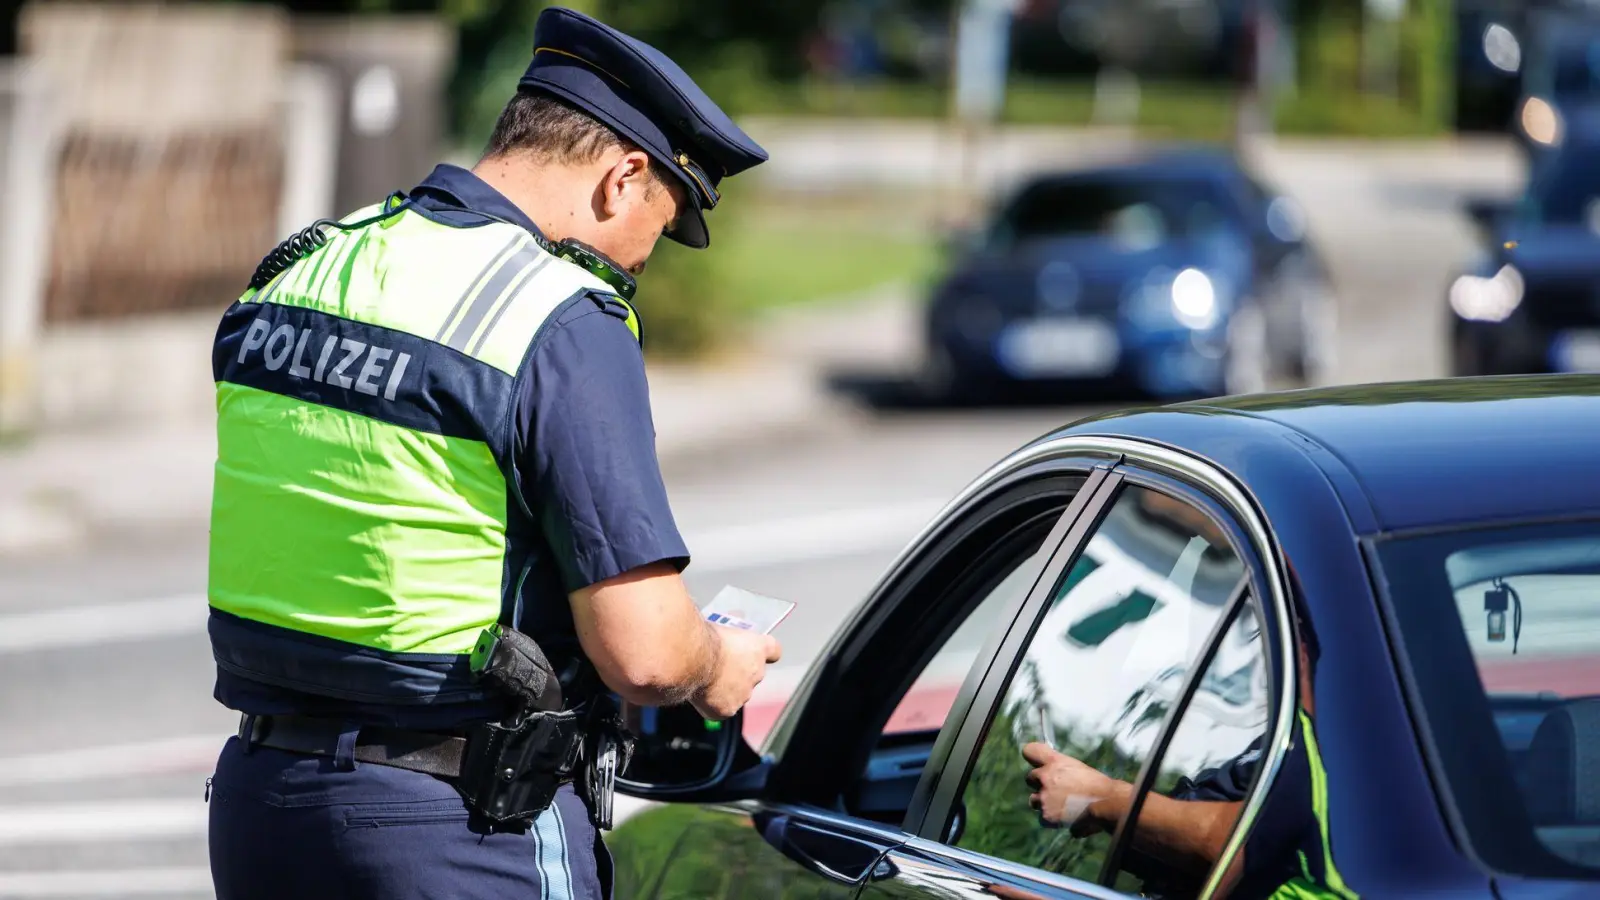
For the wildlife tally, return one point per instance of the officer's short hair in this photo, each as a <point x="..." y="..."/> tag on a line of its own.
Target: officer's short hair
<point x="556" y="133"/>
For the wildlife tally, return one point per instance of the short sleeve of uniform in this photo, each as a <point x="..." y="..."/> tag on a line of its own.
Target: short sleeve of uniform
<point x="587" y="456"/>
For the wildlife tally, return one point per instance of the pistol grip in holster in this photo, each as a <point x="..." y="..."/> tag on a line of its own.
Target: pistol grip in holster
<point x="512" y="771"/>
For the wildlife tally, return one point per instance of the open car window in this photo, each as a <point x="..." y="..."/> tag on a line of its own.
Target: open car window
<point x="950" y="616"/>
<point x="928" y="701"/>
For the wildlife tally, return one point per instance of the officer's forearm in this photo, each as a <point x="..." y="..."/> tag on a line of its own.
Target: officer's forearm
<point x="645" y="636"/>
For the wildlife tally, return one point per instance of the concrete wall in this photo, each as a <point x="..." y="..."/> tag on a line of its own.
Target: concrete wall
<point x="148" y="368"/>
<point x="389" y="76"/>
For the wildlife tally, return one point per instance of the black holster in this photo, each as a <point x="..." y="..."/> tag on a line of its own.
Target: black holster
<point x="513" y="769"/>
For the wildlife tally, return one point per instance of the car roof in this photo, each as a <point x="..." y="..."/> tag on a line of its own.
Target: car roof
<point x="1423" y="453"/>
<point x="1158" y="164"/>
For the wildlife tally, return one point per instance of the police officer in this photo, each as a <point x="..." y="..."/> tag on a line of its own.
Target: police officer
<point x="432" y="420"/>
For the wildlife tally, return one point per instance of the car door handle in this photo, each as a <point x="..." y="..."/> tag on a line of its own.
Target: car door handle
<point x="840" y="857"/>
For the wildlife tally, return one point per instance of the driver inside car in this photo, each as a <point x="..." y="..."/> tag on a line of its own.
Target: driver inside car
<point x="1179" y="836"/>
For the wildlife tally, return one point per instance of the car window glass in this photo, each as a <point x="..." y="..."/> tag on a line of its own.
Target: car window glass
<point x="1095" y="681"/>
<point x="1208" y="767"/>
<point x="1502" y="629"/>
<point x="1133" y="213"/>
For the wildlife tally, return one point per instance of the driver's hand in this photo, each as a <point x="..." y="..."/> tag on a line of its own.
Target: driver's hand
<point x="1067" y="793"/>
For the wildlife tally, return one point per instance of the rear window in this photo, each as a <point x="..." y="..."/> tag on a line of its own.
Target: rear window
<point x="1137" y="212"/>
<point x="1501" y="628"/>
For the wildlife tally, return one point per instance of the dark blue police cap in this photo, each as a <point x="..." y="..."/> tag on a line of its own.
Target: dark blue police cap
<point x="642" y="95"/>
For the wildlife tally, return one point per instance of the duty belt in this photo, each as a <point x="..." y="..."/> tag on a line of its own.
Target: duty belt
<point x="418" y="751"/>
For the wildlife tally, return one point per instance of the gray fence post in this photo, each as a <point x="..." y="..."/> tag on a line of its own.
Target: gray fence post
<point x="30" y="142"/>
<point x="311" y="125"/>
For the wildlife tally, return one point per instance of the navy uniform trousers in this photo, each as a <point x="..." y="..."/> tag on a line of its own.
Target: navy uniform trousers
<point x="287" y="825"/>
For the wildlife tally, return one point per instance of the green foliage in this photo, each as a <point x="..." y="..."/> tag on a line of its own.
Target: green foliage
<point x="1329" y="113"/>
<point x="684" y="302"/>
<point x="768" y="252"/>
<point x="1333" y="96"/>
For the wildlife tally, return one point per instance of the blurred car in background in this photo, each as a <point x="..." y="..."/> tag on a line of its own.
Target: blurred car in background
<point x="1175" y="275"/>
<point x="1560" y="59"/>
<point x="1488" y="63"/>
<point x="1531" y="303"/>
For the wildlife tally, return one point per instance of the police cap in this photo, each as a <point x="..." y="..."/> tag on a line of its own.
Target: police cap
<point x="644" y="96"/>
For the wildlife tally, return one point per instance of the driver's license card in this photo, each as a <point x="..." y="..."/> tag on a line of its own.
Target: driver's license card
<point x="739" y="608"/>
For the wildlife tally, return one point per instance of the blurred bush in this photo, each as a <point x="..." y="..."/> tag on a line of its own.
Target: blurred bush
<point x="684" y="301"/>
<point x="773" y="251"/>
<point x="1335" y="95"/>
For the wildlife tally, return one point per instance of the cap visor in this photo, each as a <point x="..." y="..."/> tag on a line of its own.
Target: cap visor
<point x="691" y="230"/>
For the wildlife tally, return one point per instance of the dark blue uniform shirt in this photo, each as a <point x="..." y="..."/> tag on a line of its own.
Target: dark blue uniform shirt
<point x="587" y="463"/>
<point x="1285" y="829"/>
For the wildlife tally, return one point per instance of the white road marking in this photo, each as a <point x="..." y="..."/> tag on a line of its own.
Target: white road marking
<point x="103" y="820"/>
<point x="818" y="536"/>
<point x="717" y="550"/>
<point x="109" y="883"/>
<point x="177" y="755"/>
<point x="103" y="623"/>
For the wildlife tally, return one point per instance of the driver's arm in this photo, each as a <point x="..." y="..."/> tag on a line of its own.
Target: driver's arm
<point x="1186" y="835"/>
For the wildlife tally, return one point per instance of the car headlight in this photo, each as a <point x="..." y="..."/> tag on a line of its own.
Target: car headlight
<point x="1540" y="122"/>
<point x="1491" y="299"/>
<point x="1501" y="48"/>
<point x="1190" y="299"/>
<point x="1194" y="299"/>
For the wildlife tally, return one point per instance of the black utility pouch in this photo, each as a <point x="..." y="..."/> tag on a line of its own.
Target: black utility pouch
<point x="512" y="770"/>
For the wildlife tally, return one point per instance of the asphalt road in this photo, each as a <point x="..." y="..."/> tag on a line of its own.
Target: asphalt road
<point x="107" y="728"/>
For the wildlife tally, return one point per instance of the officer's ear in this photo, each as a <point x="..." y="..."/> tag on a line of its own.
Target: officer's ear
<point x="626" y="183"/>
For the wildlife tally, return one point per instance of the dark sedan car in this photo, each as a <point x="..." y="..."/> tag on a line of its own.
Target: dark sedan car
<point x="1560" y="76"/>
<point x="1312" y="644"/>
<point x="1175" y="276"/>
<point x="1531" y="303"/>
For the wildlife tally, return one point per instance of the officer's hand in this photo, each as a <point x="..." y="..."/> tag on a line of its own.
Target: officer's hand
<point x="742" y="665"/>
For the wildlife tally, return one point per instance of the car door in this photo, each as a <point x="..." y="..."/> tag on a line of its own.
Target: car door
<point x="1144" y="652"/>
<point x="847" y="756"/>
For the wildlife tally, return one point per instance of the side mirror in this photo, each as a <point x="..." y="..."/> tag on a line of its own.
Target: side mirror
<point x="677" y="755"/>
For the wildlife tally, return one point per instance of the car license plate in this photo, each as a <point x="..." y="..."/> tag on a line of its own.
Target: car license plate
<point x="1058" y="348"/>
<point x="1577" y="351"/>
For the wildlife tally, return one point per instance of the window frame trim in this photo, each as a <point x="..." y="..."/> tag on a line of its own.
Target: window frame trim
<point x="1135" y="457"/>
<point x="1122" y="836"/>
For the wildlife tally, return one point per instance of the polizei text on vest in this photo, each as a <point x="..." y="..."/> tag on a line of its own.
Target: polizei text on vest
<point x="341" y="362"/>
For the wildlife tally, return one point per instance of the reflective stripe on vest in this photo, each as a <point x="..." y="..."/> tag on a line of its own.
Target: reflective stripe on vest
<point x="363" y="498"/>
<point x="1330" y="886"/>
